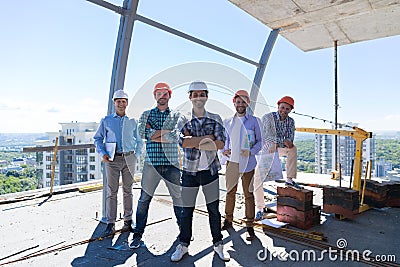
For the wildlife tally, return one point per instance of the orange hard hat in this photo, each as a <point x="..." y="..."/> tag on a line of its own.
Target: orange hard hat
<point x="242" y="93"/>
<point x="162" y="86"/>
<point x="288" y="100"/>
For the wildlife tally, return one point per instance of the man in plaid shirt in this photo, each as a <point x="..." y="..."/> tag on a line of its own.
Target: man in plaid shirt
<point x="158" y="127"/>
<point x="278" y="135"/>
<point x="201" y="135"/>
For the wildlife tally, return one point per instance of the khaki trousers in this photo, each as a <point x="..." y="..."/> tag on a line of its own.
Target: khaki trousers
<point x="123" y="166"/>
<point x="291" y="160"/>
<point x="291" y="172"/>
<point x="232" y="178"/>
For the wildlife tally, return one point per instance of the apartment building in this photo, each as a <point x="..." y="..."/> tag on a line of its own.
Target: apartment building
<point x="382" y="167"/>
<point x="325" y="153"/>
<point x="73" y="166"/>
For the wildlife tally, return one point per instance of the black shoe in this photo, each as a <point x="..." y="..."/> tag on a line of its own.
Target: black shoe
<point x="294" y="185"/>
<point x="127" y="226"/>
<point x="136" y="241"/>
<point x="250" y="235"/>
<point x="226" y="225"/>
<point x="110" y="229"/>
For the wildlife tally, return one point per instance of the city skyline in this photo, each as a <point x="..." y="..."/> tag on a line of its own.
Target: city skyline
<point x="57" y="65"/>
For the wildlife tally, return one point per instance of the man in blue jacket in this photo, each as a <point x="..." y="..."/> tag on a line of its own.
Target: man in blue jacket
<point x="118" y="142"/>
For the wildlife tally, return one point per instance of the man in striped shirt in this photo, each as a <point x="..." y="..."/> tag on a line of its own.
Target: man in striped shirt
<point x="279" y="131"/>
<point x="157" y="126"/>
<point x="278" y="134"/>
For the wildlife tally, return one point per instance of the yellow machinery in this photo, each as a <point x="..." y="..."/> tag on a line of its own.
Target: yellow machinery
<point x="359" y="135"/>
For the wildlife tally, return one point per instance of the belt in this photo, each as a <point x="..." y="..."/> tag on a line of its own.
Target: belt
<point x="124" y="153"/>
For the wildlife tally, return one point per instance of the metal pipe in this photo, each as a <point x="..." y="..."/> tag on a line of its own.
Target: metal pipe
<point x="255" y="88"/>
<point x="109" y="6"/>
<point x="336" y="104"/>
<point x="370" y="169"/>
<point x="364" y="185"/>
<point x="351" y="173"/>
<point x="53" y="167"/>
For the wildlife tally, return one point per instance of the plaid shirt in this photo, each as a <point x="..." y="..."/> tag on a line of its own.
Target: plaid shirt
<point x="210" y="124"/>
<point x="275" y="131"/>
<point x="158" y="153"/>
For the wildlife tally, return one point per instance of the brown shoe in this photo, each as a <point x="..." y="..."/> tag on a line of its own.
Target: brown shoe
<point x="250" y="235"/>
<point x="127" y="226"/>
<point x="226" y="225"/>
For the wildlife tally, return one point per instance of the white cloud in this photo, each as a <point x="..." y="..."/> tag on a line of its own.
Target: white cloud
<point x="53" y="110"/>
<point x="388" y="122"/>
<point x="36" y="116"/>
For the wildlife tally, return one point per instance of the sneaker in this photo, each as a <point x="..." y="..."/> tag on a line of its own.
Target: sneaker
<point x="136" y="241"/>
<point x="226" y="225"/>
<point x="221" y="253"/>
<point x="179" y="252"/>
<point x="294" y="185"/>
<point x="250" y="235"/>
<point x="127" y="226"/>
<point x="110" y="229"/>
<point x="259" y="216"/>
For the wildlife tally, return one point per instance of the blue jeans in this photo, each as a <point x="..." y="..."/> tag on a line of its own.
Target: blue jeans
<point x="151" y="177"/>
<point x="190" y="188"/>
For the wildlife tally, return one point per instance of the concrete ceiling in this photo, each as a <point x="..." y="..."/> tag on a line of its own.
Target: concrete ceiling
<point x="316" y="24"/>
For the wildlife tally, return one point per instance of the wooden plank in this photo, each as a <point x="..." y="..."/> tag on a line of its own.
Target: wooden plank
<point x="292" y="202"/>
<point x="340" y="210"/>
<point x="90" y="188"/>
<point x="51" y="148"/>
<point x="299" y="215"/>
<point x="301" y="195"/>
<point x="340" y="201"/>
<point x="299" y="224"/>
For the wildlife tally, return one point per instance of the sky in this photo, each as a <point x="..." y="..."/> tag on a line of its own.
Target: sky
<point x="56" y="61"/>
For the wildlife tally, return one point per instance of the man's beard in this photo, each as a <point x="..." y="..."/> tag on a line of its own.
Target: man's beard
<point x="241" y="111"/>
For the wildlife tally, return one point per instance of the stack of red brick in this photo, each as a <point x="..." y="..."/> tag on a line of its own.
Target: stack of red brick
<point x="341" y="201"/>
<point x="296" y="208"/>
<point x="379" y="195"/>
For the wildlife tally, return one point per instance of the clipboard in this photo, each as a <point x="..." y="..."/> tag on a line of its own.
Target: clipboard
<point x="110" y="148"/>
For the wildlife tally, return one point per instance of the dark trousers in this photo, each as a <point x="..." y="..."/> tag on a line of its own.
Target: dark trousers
<point x="152" y="175"/>
<point x="190" y="189"/>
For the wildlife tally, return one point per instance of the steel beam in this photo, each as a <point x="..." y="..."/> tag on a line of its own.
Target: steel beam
<point x="255" y="88"/>
<point x="110" y="6"/>
<point x="193" y="39"/>
<point x="122" y="49"/>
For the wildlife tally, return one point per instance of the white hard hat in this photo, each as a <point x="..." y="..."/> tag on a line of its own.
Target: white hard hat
<point x="197" y="85"/>
<point x="120" y="94"/>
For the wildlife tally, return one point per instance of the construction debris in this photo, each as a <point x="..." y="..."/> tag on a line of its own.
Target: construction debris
<point x="341" y="201"/>
<point x="379" y="195"/>
<point x="296" y="208"/>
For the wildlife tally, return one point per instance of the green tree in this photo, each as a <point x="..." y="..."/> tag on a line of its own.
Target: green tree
<point x="389" y="150"/>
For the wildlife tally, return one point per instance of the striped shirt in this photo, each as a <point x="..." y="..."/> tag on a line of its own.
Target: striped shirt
<point x="275" y="131"/>
<point x="210" y="124"/>
<point x="158" y="153"/>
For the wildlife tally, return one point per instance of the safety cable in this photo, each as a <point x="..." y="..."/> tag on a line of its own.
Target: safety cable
<point x="295" y="113"/>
